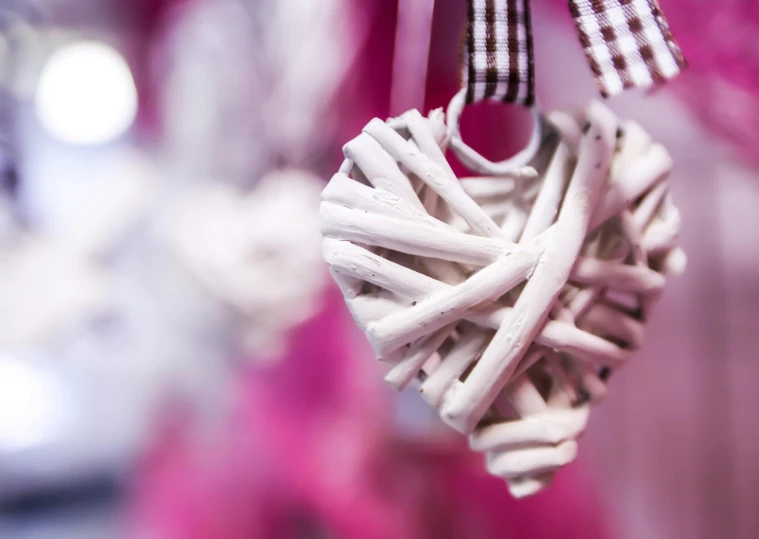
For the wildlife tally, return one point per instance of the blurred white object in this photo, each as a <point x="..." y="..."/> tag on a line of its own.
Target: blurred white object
<point x="33" y="404"/>
<point x="46" y="289"/>
<point x="259" y="100"/>
<point x="8" y="224"/>
<point x="53" y="279"/>
<point x="244" y="93"/>
<point x="259" y="252"/>
<point x="86" y="94"/>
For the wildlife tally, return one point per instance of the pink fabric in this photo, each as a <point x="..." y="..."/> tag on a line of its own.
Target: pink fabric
<point x="721" y="83"/>
<point x="305" y="431"/>
<point x="310" y="443"/>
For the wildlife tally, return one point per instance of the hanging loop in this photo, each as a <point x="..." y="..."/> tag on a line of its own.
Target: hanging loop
<point x="497" y="65"/>
<point x="470" y="158"/>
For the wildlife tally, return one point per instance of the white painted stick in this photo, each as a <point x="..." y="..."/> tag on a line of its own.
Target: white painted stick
<point x="405" y="371"/>
<point x="611" y="274"/>
<point x="547" y="204"/>
<point x="551" y="428"/>
<point x="421" y="239"/>
<point x="464" y="352"/>
<point x="632" y="182"/>
<point x="380" y="168"/>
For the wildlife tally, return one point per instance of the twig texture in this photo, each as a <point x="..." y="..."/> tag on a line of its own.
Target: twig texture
<point x="509" y="298"/>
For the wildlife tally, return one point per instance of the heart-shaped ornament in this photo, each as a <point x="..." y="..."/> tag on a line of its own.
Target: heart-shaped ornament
<point x="513" y="295"/>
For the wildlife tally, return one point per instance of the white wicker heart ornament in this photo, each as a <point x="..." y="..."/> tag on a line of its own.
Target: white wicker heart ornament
<point x="510" y="297"/>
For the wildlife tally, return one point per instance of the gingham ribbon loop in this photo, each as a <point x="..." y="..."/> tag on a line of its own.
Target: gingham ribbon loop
<point x="498" y="58"/>
<point x="628" y="44"/>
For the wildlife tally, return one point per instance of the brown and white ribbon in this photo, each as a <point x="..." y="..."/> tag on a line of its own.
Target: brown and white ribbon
<point x="628" y="44"/>
<point x="498" y="58"/>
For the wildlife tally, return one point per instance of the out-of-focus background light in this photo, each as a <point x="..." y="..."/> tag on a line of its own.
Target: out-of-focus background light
<point x="32" y="405"/>
<point x="86" y="94"/>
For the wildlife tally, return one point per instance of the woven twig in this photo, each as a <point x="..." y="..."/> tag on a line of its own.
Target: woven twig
<point x="510" y="298"/>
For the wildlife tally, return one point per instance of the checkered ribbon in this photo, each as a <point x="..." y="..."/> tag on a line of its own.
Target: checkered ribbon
<point x="498" y="58"/>
<point x="627" y="42"/>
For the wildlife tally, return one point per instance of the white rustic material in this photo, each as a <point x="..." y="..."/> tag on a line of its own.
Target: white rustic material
<point x="509" y="297"/>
